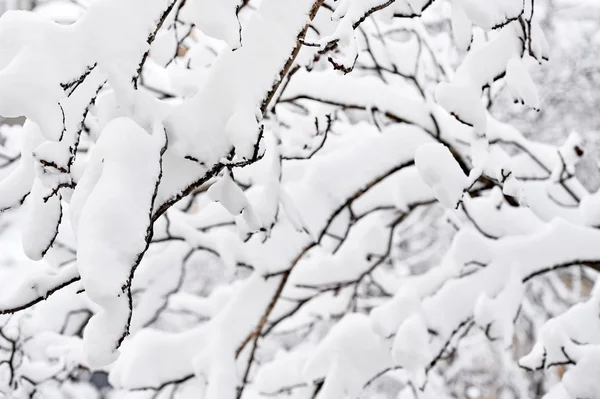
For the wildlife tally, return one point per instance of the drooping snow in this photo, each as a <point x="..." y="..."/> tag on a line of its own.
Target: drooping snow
<point x="38" y="286"/>
<point x="230" y="195"/>
<point x="125" y="159"/>
<point x="461" y="27"/>
<point x="218" y="20"/>
<point x="442" y="173"/>
<point x="269" y="39"/>
<point x="520" y="83"/>
<point x="330" y="208"/>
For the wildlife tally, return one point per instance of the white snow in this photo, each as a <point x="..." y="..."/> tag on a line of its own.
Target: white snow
<point x="125" y="159"/>
<point x="441" y="172"/>
<point x="317" y="257"/>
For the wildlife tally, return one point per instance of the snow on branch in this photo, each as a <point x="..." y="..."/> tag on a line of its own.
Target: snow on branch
<point x="125" y="158"/>
<point x="288" y="198"/>
<point x="38" y="287"/>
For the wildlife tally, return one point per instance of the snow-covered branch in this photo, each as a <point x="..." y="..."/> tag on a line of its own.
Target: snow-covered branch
<point x="281" y="198"/>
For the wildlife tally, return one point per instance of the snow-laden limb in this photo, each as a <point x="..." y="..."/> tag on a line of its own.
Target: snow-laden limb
<point x="366" y="243"/>
<point x="538" y="163"/>
<point x="37" y="287"/>
<point x="218" y="20"/>
<point x="125" y="159"/>
<point x="322" y="197"/>
<point x="270" y="46"/>
<point x="207" y="350"/>
<point x="442" y="173"/>
<point x="67" y="54"/>
<point x="493" y="60"/>
<point x="480" y="67"/>
<point x="349" y="14"/>
<point x="343" y="199"/>
<point x="269" y="38"/>
<point x="353" y="12"/>
<point x="493" y="14"/>
<point x="511" y="221"/>
<point x="251" y="305"/>
<point x="438" y="281"/>
<point x="65" y="91"/>
<point x="359" y="93"/>
<point x="56" y="158"/>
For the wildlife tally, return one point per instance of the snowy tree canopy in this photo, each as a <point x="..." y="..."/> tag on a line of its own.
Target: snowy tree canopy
<point x="290" y="199"/>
